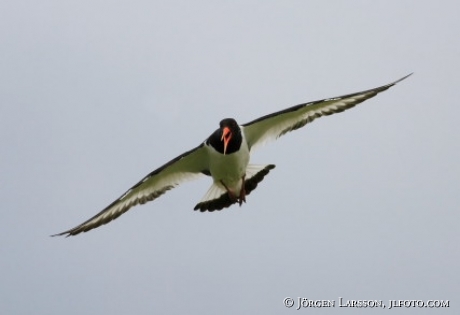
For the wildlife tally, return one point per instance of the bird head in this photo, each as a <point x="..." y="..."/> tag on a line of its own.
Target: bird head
<point x="226" y="137"/>
<point x="229" y="128"/>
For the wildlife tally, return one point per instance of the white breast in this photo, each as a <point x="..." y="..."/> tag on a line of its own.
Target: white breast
<point x="229" y="168"/>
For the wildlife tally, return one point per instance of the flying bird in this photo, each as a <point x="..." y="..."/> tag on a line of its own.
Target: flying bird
<point x="224" y="156"/>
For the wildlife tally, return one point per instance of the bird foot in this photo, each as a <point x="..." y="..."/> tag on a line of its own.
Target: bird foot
<point x="242" y="193"/>
<point x="241" y="198"/>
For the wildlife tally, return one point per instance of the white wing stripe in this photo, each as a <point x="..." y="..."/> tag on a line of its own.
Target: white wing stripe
<point x="275" y="125"/>
<point x="187" y="166"/>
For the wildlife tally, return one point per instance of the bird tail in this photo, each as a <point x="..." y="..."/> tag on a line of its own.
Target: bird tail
<point x="217" y="198"/>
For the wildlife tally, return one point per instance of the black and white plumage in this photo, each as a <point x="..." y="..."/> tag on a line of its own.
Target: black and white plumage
<point x="224" y="156"/>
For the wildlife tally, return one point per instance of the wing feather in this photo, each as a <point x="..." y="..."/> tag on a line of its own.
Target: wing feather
<point x="187" y="166"/>
<point x="273" y="126"/>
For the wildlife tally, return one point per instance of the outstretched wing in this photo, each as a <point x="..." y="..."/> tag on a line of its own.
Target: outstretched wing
<point x="186" y="166"/>
<point x="273" y="126"/>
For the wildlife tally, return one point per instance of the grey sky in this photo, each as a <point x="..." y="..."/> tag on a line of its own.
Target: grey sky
<point x="362" y="205"/>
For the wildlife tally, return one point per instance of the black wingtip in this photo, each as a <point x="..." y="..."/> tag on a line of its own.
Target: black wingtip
<point x="72" y="232"/>
<point x="403" y="78"/>
<point x="62" y="234"/>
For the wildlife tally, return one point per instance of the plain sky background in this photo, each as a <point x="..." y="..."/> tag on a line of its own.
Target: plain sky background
<point x="362" y="205"/>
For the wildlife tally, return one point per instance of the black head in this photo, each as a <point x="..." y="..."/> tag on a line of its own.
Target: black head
<point x="227" y="139"/>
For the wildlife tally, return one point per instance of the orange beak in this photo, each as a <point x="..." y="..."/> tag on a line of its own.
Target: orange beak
<point x="226" y="136"/>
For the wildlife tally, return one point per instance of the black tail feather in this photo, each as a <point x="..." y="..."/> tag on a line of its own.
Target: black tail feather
<point x="224" y="201"/>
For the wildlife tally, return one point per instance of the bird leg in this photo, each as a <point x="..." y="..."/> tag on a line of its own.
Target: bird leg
<point x="242" y="191"/>
<point x="230" y="193"/>
<point x="233" y="197"/>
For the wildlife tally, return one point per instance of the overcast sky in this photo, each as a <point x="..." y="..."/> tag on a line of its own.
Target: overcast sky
<point x="362" y="205"/>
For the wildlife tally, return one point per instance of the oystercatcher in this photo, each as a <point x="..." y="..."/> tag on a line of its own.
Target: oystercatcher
<point x="224" y="156"/>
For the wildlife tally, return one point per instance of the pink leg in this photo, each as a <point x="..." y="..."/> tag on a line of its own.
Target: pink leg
<point x="242" y="192"/>
<point x="230" y="194"/>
